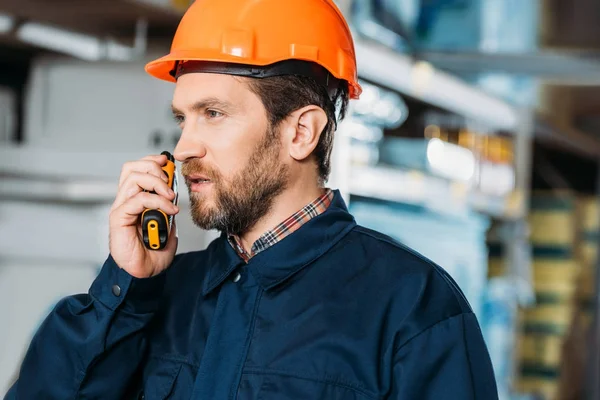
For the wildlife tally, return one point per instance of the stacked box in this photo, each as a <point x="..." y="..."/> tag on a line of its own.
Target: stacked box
<point x="587" y="250"/>
<point x="576" y="352"/>
<point x="538" y="382"/>
<point x="545" y="325"/>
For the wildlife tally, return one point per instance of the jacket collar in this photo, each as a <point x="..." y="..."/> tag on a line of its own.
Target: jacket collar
<point x="287" y="257"/>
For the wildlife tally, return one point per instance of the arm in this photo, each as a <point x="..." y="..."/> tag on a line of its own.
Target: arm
<point x="447" y="360"/>
<point x="91" y="344"/>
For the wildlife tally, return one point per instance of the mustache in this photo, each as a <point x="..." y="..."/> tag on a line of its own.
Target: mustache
<point x="199" y="167"/>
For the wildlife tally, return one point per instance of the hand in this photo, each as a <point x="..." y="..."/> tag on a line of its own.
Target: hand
<point x="125" y="233"/>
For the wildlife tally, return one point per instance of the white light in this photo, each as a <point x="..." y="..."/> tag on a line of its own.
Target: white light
<point x="118" y="52"/>
<point x="496" y="179"/>
<point x="381" y="107"/>
<point x="368" y="98"/>
<point x="7" y="23"/>
<point x="383" y="35"/>
<point x="422" y="77"/>
<point x="237" y="52"/>
<point x="361" y="132"/>
<point x="450" y="161"/>
<point x="82" y="46"/>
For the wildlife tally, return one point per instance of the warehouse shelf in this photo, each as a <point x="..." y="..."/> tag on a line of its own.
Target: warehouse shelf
<point x="566" y="138"/>
<point x="73" y="191"/>
<point x="431" y="192"/>
<point x="42" y="162"/>
<point x="424" y="82"/>
<point x="60" y="176"/>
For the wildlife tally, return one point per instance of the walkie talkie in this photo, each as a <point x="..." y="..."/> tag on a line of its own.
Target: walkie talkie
<point x="156" y="224"/>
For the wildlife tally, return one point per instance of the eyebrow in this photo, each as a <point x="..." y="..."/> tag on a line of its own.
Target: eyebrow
<point x="204" y="104"/>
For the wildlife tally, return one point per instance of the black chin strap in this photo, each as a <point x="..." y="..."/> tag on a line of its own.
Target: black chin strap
<point x="289" y="67"/>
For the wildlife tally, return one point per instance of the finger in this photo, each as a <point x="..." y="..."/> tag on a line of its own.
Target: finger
<point x="145" y="166"/>
<point x="159" y="158"/>
<point x="129" y="212"/>
<point x="138" y="182"/>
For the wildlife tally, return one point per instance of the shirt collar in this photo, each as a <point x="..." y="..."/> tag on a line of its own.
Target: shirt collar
<point x="280" y="261"/>
<point x="286" y="228"/>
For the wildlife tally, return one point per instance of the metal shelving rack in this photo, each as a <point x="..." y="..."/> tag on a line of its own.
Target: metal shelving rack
<point x="424" y="82"/>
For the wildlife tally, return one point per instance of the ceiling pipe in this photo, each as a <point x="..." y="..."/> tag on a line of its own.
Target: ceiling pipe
<point x="83" y="46"/>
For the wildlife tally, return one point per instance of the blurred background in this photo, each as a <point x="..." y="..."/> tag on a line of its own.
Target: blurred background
<point x="476" y="142"/>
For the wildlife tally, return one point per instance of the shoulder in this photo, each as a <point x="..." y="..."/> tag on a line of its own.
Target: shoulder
<point x="415" y="289"/>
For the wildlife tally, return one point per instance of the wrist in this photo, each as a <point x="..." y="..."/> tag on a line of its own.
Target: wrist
<point x="117" y="288"/>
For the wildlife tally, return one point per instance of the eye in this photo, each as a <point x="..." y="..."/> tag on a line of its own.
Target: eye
<point x="212" y="114"/>
<point x="179" y="119"/>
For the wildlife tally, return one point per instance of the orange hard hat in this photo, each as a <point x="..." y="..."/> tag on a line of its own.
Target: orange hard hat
<point x="261" y="38"/>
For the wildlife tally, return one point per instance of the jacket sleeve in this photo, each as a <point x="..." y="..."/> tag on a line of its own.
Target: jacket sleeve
<point x="446" y="361"/>
<point x="91" y="344"/>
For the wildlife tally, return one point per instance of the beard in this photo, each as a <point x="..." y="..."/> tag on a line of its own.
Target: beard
<point x="242" y="200"/>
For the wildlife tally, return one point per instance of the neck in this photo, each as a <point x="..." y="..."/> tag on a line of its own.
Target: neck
<point x="284" y="206"/>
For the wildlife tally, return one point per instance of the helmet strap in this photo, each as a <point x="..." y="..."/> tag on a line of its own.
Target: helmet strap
<point x="288" y="67"/>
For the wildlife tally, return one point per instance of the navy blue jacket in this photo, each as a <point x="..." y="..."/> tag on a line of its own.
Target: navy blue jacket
<point x="332" y="312"/>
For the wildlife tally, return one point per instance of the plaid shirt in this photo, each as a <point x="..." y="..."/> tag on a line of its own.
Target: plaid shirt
<point x="285" y="228"/>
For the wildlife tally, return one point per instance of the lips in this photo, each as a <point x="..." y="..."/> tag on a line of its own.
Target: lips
<point x="198" y="183"/>
<point x="196" y="179"/>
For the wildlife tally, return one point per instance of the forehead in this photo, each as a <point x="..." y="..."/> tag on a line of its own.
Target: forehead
<point x="191" y="88"/>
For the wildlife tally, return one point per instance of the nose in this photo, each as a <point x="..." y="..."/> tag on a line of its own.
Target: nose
<point x="188" y="148"/>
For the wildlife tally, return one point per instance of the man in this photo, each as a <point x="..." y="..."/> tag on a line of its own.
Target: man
<point x="294" y="300"/>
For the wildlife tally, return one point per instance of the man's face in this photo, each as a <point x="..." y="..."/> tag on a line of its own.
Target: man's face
<point x="230" y="154"/>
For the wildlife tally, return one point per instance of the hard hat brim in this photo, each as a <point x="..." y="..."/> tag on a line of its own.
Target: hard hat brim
<point x="163" y="68"/>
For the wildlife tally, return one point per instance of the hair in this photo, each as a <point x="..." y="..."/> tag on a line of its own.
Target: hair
<point x="282" y="95"/>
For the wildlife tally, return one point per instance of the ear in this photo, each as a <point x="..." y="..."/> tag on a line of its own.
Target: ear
<point x="303" y="131"/>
